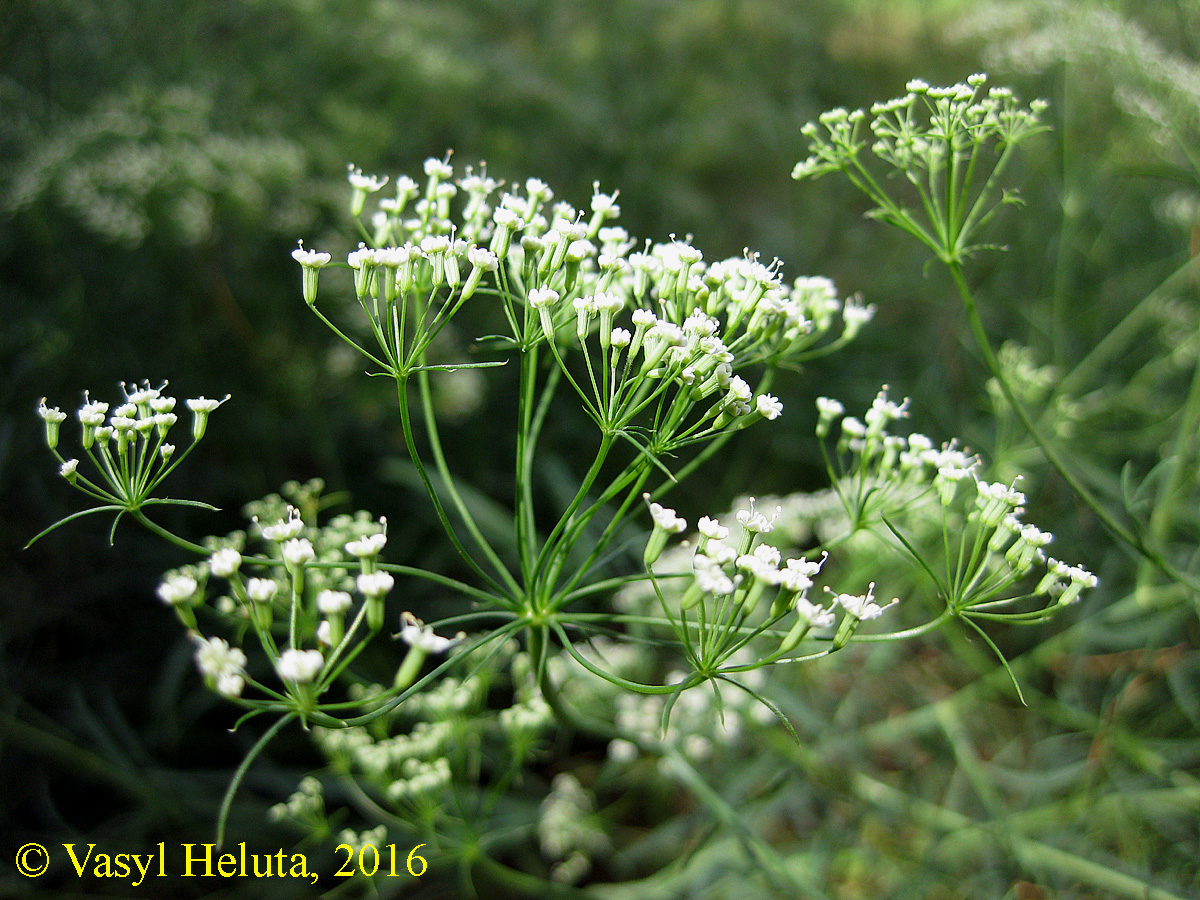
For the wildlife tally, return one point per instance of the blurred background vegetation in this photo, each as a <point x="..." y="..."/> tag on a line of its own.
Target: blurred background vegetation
<point x="159" y="160"/>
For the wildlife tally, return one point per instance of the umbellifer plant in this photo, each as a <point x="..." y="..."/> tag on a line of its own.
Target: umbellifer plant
<point x="670" y="356"/>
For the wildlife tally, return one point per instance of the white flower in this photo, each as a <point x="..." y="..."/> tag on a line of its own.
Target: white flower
<point x="815" y="616"/>
<point x="756" y="566"/>
<point x="230" y="684"/>
<point x="711" y="528"/>
<point x="768" y="554"/>
<point x="757" y="522"/>
<point x="666" y="519"/>
<point x="201" y="407"/>
<point x="437" y="168"/>
<point x="542" y="297"/>
<point x="506" y="218"/>
<point x="367" y="546"/>
<point x="375" y="585"/>
<point x="367" y="183"/>
<point x="261" y="590"/>
<point x="622" y="751"/>
<point x="203" y="404"/>
<point x="53" y="417"/>
<point x="298" y="551"/>
<point x="710" y="577"/>
<point x="770" y="408"/>
<point x="862" y="606"/>
<point x="325" y="633"/>
<point x="332" y="603"/>
<point x="221" y="665"/>
<point x="643" y="318"/>
<point x="68" y="470"/>
<point x="51" y="414"/>
<point x="285" y="530"/>
<point x="225" y="562"/>
<point x="92" y="413"/>
<point x="300" y="666"/>
<point x="310" y="259"/>
<point x="482" y="258"/>
<point x="177" y="589"/>
<point x="854" y="316"/>
<point x="722" y="553"/>
<point x="419" y="635"/>
<point x="363" y="256"/>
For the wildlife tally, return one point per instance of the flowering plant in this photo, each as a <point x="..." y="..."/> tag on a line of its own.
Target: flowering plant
<point x="670" y="356"/>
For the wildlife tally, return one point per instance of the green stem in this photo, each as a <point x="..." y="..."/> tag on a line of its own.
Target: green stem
<point x="447" y="526"/>
<point x="433" y="436"/>
<point x="166" y="535"/>
<point x="553" y="545"/>
<point x="240" y="774"/>
<point x="1123" y="534"/>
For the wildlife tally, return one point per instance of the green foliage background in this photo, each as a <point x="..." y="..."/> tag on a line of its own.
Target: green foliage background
<point x="159" y="160"/>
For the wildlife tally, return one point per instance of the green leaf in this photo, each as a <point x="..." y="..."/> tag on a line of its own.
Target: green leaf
<point x="71" y="518"/>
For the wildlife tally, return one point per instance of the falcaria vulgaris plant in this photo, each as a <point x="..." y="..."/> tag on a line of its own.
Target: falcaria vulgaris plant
<point x="664" y="652"/>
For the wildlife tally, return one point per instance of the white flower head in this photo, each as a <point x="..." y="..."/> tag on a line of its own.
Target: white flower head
<point x="367" y="546"/>
<point x="204" y="405"/>
<point x="286" y="529"/>
<point x="770" y="408"/>
<point x="298" y="551"/>
<point x="816" y="616"/>
<point x="666" y="519"/>
<point x="366" y="183"/>
<point x="333" y="603"/>
<point x="711" y="528"/>
<point x="225" y="562"/>
<point x="53" y="417"/>
<point x="756" y="521"/>
<point x="178" y="588"/>
<point x="438" y="168"/>
<point x="201" y="408"/>
<point x="375" y="584"/>
<point x="221" y="665"/>
<point x="92" y="412"/>
<point x="862" y="606"/>
<point x="417" y="634"/>
<point x="299" y="666"/>
<point x="261" y="590"/>
<point x="310" y="259"/>
<point x="710" y="577"/>
<point x="542" y="297"/>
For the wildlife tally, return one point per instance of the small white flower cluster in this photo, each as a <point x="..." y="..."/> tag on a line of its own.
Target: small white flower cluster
<point x="386" y="757"/>
<point x="526" y="719"/>
<point x="309" y="577"/>
<point x="306" y="805"/>
<point x="421" y="780"/>
<point x="881" y="475"/>
<point x="357" y="841"/>
<point x="223" y="667"/>
<point x="566" y="276"/>
<point x="940" y="139"/>
<point x="569" y="831"/>
<point x="921" y="129"/>
<point x="420" y="636"/>
<point x="450" y="697"/>
<point x="127" y="445"/>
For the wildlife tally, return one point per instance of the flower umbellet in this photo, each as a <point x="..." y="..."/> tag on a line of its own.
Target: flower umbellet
<point x="670" y="354"/>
